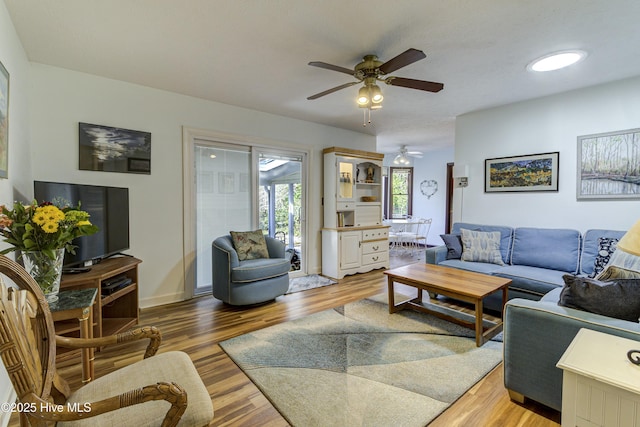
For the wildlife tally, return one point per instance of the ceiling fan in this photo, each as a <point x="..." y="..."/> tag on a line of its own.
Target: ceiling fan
<point x="403" y="156"/>
<point x="371" y="70"/>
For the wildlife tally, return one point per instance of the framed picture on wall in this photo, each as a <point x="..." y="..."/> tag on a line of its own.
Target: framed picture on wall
<point x="609" y="165"/>
<point x="4" y="121"/>
<point x="531" y="172"/>
<point x="110" y="149"/>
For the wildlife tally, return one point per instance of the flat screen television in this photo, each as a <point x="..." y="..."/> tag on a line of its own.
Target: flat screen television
<point x="108" y="208"/>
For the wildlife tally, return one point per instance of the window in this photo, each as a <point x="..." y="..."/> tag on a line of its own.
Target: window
<point x="400" y="193"/>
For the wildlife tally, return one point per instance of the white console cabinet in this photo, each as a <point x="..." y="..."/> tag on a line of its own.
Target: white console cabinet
<point x="600" y="386"/>
<point x="354" y="240"/>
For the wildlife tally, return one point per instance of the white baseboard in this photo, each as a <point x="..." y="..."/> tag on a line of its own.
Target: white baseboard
<point x="161" y="300"/>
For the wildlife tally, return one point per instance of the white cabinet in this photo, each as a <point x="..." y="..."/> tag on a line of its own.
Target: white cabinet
<point x="354" y="240"/>
<point x="600" y="386"/>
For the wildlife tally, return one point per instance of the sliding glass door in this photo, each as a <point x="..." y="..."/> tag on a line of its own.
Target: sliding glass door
<point x="223" y="200"/>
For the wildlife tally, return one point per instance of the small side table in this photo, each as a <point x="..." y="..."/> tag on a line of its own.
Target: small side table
<point x="78" y="304"/>
<point x="600" y="386"/>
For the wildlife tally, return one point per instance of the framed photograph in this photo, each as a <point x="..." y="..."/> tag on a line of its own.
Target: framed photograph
<point x="109" y="149"/>
<point x="226" y="182"/>
<point x="532" y="172"/>
<point x="4" y="122"/>
<point x="609" y="165"/>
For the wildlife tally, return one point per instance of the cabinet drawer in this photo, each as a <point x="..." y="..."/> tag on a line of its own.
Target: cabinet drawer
<point x="345" y="206"/>
<point x="374" y="234"/>
<point x="375" y="258"/>
<point x="374" y="247"/>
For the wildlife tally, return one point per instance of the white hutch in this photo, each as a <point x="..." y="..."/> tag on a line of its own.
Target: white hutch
<point x="354" y="240"/>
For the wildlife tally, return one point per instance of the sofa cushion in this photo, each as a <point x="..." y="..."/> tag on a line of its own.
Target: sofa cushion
<point x="534" y="280"/>
<point x="590" y="247"/>
<point x="478" y="267"/>
<point x="625" y="260"/>
<point x="481" y="246"/>
<point x="505" y="235"/>
<point x="555" y="249"/>
<point x="619" y="298"/>
<point x="259" y="269"/>
<point x="249" y="244"/>
<point x="453" y="242"/>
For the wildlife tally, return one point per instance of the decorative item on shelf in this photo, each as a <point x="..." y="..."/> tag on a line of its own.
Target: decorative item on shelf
<point x="370" y="171"/>
<point x="369" y="198"/>
<point x="42" y="233"/>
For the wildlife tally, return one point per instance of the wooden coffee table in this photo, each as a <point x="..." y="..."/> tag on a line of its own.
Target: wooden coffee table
<point x="460" y="284"/>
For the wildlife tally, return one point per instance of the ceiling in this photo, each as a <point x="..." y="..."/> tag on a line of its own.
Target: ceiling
<point x="254" y="53"/>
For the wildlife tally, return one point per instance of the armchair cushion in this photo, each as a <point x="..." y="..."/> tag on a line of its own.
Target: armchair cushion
<point x="173" y="366"/>
<point x="260" y="269"/>
<point x="250" y="244"/>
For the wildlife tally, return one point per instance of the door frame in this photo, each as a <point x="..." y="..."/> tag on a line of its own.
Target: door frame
<point x="189" y="136"/>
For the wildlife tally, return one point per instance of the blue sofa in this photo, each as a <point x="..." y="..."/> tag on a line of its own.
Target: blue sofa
<point x="537" y="331"/>
<point x="536" y="334"/>
<point x="535" y="259"/>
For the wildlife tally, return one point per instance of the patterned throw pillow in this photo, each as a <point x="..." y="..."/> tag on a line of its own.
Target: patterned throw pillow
<point x="606" y="246"/>
<point x="481" y="246"/>
<point x="249" y="244"/>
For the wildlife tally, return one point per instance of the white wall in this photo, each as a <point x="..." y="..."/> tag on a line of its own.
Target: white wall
<point x="544" y="125"/>
<point x="61" y="98"/>
<point x="19" y="184"/>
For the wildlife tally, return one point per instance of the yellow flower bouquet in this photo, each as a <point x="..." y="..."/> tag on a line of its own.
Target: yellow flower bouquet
<point x="42" y="233"/>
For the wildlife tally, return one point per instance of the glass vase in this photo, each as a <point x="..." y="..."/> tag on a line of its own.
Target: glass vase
<point x="46" y="271"/>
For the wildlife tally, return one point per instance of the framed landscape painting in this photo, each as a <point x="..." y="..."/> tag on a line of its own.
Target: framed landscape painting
<point x="609" y="165"/>
<point x="109" y="149"/>
<point x="532" y="172"/>
<point x="4" y="121"/>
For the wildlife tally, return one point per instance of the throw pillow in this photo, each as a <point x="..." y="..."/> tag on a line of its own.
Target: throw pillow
<point x="249" y="244"/>
<point x="606" y="246"/>
<point x="481" y="246"/>
<point x="612" y="272"/>
<point x="453" y="244"/>
<point x="619" y="298"/>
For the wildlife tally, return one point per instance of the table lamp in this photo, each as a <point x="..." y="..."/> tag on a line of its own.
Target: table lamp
<point x="630" y="242"/>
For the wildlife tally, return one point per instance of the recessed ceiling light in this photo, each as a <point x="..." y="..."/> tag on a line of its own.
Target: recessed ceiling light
<point x="557" y="60"/>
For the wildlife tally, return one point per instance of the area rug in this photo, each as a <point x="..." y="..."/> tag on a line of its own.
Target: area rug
<point x="308" y="282"/>
<point x="358" y="365"/>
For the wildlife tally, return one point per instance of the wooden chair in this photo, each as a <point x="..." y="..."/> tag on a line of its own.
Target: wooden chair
<point x="152" y="392"/>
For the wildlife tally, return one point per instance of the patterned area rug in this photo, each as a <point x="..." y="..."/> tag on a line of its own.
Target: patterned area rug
<point x="308" y="282"/>
<point x="358" y="365"/>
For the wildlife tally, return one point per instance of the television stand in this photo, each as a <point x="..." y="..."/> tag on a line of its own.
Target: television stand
<point x="75" y="270"/>
<point x="113" y="313"/>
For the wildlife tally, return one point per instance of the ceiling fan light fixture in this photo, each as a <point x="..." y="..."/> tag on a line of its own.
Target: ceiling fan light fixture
<point x="363" y="96"/>
<point x="557" y="60"/>
<point x="376" y="94"/>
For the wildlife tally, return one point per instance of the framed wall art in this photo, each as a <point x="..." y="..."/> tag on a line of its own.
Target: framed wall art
<point x="609" y="165"/>
<point x="531" y="172"/>
<point x="4" y="121"/>
<point x="110" y="149"/>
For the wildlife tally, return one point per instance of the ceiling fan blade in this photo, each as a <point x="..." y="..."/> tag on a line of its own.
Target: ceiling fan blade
<point x="407" y="57"/>
<point x="335" y="89"/>
<point x="331" y="67"/>
<point x="414" y="84"/>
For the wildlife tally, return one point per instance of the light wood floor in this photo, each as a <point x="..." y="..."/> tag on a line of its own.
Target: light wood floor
<point x="196" y="326"/>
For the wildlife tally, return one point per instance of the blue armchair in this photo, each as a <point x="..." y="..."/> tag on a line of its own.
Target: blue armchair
<point x="250" y="281"/>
